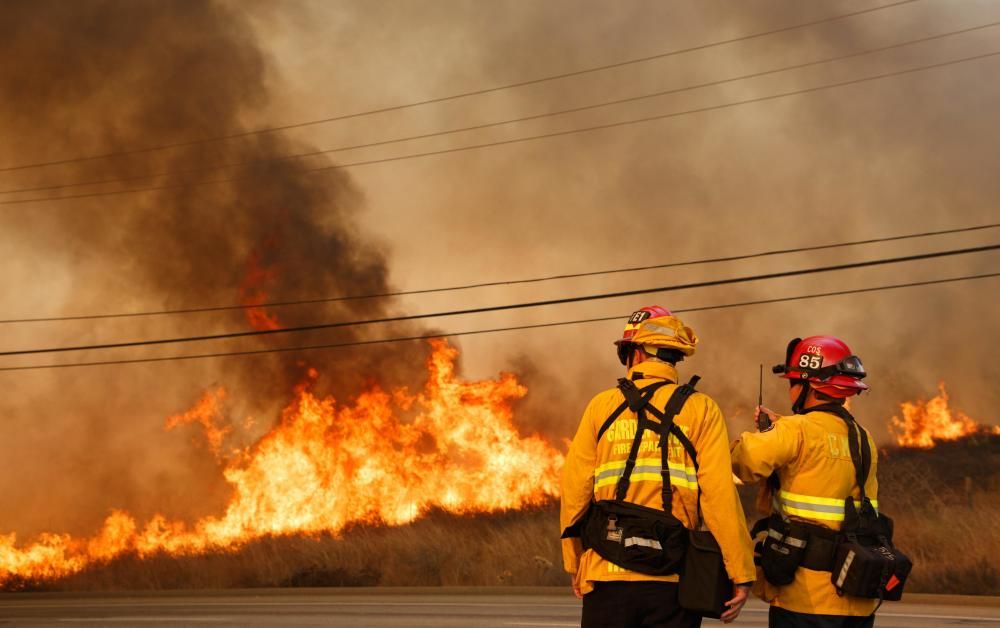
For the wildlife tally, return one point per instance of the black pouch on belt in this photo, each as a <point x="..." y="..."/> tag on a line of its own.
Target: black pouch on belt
<point x="705" y="586"/>
<point x="782" y="550"/>
<point x="646" y="540"/>
<point x="867" y="564"/>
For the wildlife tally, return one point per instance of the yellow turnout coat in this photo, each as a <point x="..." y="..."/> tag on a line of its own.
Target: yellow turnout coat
<point x="811" y="455"/>
<point x="593" y="467"/>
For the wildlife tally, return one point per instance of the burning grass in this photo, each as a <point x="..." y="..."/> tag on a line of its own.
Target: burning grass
<point x="944" y="521"/>
<point x="325" y="467"/>
<point x="354" y="496"/>
<point x="440" y="549"/>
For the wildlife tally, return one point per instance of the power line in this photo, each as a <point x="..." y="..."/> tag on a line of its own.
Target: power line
<point x="510" y="282"/>
<point x="610" y="125"/>
<point x="358" y="343"/>
<point x="665" y="116"/>
<point x="441" y="99"/>
<point x="510" y="306"/>
<point x="477" y="127"/>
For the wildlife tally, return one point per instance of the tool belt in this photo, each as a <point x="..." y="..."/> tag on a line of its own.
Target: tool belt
<point x="792" y="544"/>
<point x="861" y="558"/>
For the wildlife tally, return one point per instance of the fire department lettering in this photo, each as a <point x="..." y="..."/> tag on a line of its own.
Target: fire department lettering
<point x="839" y="446"/>
<point x="622" y="432"/>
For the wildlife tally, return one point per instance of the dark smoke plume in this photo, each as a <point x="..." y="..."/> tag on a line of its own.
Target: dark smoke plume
<point x="95" y="77"/>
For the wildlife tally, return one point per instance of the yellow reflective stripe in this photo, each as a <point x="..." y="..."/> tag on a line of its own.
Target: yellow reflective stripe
<point x="648" y="462"/>
<point x="812" y="507"/>
<point x="809" y="499"/>
<point x="653" y="477"/>
<point x="646" y="469"/>
<point x="620" y="464"/>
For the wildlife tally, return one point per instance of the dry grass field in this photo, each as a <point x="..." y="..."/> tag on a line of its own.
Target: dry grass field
<point x="945" y="502"/>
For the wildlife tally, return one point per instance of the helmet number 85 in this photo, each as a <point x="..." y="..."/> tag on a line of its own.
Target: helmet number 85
<point x="810" y="361"/>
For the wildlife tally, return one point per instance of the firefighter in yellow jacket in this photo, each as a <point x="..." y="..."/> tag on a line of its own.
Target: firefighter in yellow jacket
<point x="614" y="596"/>
<point x="809" y="456"/>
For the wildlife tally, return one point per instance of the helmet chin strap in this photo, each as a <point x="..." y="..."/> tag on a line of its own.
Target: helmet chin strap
<point x="799" y="406"/>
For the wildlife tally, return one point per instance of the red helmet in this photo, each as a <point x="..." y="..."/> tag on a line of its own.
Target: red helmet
<point x="632" y="325"/>
<point x="825" y="362"/>
<point x="655" y="326"/>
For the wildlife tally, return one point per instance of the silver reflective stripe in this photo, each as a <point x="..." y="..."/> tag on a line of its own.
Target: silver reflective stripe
<point x="637" y="540"/>
<point x="787" y="540"/>
<point x="843" y="570"/>
<point x="837" y="510"/>
<point x="614" y="473"/>
<point x="674" y="473"/>
<point x="660" y="329"/>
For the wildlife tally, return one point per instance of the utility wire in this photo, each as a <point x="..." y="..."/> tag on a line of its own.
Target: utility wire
<point x="610" y="125"/>
<point x="509" y="282"/>
<point x="441" y="99"/>
<point x="487" y="125"/>
<point x="665" y="116"/>
<point x="511" y="306"/>
<point x="358" y="343"/>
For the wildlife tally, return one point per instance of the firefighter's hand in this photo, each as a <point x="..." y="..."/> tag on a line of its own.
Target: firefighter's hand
<point x="764" y="417"/>
<point x="740" y="594"/>
<point x="576" y="587"/>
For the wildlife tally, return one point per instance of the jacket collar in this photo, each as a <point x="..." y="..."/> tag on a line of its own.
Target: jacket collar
<point x="654" y="370"/>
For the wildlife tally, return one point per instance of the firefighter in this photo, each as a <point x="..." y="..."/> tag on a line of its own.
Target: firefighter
<point x="613" y="596"/>
<point x="808" y="461"/>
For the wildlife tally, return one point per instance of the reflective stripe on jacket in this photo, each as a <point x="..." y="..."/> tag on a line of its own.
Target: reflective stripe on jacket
<point x="592" y="470"/>
<point x="811" y="455"/>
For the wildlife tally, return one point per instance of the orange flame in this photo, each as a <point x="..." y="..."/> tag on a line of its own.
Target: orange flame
<point x="325" y="465"/>
<point x="926" y="423"/>
<point x="207" y="412"/>
<point x="253" y="292"/>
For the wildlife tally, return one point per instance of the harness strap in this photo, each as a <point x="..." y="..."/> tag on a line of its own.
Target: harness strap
<point x="861" y="453"/>
<point x="625" y="404"/>
<point x="678" y="434"/>
<point x="639" y="404"/>
<point x="611" y="419"/>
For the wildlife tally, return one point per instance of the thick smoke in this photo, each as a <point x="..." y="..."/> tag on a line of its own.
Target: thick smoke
<point x="97" y="77"/>
<point x="898" y="155"/>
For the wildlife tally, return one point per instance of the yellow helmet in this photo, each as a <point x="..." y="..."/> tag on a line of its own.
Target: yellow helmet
<point x="656" y="326"/>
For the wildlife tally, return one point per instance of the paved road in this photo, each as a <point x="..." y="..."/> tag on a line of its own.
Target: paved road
<point x="396" y="608"/>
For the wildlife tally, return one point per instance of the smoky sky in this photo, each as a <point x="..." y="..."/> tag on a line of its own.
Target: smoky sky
<point x="98" y="77"/>
<point x="887" y="157"/>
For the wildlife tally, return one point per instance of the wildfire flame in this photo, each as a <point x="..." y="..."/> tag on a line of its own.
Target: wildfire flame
<point x="253" y="290"/>
<point x="324" y="466"/>
<point x="926" y="423"/>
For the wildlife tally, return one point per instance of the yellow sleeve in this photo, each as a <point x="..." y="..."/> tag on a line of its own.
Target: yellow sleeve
<point x="577" y="484"/>
<point x="757" y="454"/>
<point x="720" y="503"/>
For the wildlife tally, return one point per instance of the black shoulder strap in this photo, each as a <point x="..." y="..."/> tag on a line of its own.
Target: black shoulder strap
<point x="632" y="395"/>
<point x="636" y="400"/>
<point x="861" y="452"/>
<point x="666" y="422"/>
<point x="611" y="419"/>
